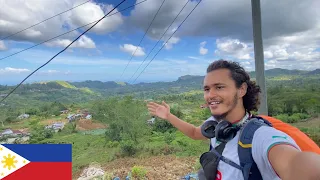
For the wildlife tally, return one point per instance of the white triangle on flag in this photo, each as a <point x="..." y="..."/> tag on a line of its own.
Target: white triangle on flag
<point x="10" y="161"/>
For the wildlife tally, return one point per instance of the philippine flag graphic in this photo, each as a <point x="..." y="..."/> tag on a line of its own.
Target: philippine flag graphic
<point x="36" y="161"/>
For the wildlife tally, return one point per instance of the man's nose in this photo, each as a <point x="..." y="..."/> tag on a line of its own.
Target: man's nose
<point x="212" y="93"/>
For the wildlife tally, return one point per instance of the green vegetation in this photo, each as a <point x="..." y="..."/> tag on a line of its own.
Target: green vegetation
<point x="66" y="85"/>
<point x="292" y="97"/>
<point x="138" y="172"/>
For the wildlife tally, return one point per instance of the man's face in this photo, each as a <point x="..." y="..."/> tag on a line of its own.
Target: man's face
<point x="220" y="93"/>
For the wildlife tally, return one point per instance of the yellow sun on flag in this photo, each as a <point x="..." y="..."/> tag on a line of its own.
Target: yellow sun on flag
<point x="9" y="161"/>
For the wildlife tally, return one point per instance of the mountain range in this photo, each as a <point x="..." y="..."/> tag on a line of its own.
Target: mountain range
<point x="70" y="92"/>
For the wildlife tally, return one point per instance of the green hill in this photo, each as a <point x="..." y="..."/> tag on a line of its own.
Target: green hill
<point x="65" y="84"/>
<point x="70" y="92"/>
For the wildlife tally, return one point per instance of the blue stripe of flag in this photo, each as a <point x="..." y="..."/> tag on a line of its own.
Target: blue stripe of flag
<point x="43" y="152"/>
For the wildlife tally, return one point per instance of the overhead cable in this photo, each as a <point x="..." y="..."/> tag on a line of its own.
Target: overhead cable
<point x="60" y="51"/>
<point x="168" y="40"/>
<point x="43" y="21"/>
<point x="68" y="32"/>
<point x="142" y="38"/>
<point x="160" y="38"/>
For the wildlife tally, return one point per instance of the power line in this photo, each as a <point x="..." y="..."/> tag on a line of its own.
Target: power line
<point x="143" y="37"/>
<point x="68" y="32"/>
<point x="167" y="40"/>
<point x="43" y="21"/>
<point x="61" y="51"/>
<point x="160" y="38"/>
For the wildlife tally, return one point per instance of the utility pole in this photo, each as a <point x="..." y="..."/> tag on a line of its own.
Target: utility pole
<point x="258" y="55"/>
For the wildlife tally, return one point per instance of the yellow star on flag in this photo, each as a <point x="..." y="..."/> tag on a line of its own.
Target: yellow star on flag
<point x="10" y="161"/>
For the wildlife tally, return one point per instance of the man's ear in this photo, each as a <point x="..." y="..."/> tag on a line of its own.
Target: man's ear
<point x="243" y="89"/>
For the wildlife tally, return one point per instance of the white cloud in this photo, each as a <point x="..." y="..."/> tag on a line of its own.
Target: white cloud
<point x="202" y="50"/>
<point x="82" y="42"/>
<point x="129" y="48"/>
<point x="171" y="42"/>
<point x="287" y="37"/>
<point x="233" y="47"/>
<point x="297" y="51"/>
<point x="92" y="12"/>
<point x="218" y="18"/>
<point x="2" y="46"/>
<point x="295" y="47"/>
<point x="10" y="70"/>
<point x="41" y="56"/>
<point x="195" y="58"/>
<point x="268" y="54"/>
<point x="21" y="14"/>
<point x="177" y="61"/>
<point x="52" y="72"/>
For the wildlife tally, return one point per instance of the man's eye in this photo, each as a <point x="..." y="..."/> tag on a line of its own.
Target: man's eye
<point x="206" y="89"/>
<point x="220" y="87"/>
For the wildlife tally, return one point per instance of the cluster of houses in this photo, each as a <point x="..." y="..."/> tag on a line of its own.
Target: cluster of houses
<point x="10" y="136"/>
<point x="23" y="116"/>
<point x="73" y="117"/>
<point x="55" y="126"/>
<point x="11" y="132"/>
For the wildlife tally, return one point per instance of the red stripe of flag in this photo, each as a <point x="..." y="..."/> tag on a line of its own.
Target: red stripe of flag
<point x="43" y="171"/>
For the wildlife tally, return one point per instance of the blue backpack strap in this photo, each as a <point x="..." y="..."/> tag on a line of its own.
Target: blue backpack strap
<point x="250" y="170"/>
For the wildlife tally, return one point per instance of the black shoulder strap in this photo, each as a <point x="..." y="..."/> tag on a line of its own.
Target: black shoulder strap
<point x="210" y="161"/>
<point x="220" y="147"/>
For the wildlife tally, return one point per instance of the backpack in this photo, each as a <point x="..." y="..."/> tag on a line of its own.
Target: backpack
<point x="302" y="140"/>
<point x="249" y="168"/>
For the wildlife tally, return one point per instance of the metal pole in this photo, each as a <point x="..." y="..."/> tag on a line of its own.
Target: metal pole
<point x="258" y="55"/>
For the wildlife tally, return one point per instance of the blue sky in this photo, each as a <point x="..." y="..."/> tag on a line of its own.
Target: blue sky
<point x="102" y="54"/>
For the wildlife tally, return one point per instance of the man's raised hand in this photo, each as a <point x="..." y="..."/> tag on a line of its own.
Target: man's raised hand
<point x="160" y="110"/>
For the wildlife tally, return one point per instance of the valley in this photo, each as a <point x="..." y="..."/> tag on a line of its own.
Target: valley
<point x="107" y="122"/>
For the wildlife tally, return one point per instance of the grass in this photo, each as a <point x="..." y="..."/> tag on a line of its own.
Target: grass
<point x="19" y="124"/>
<point x="121" y="83"/>
<point x="25" y="123"/>
<point x="311" y="127"/>
<point x="86" y="90"/>
<point x="66" y="85"/>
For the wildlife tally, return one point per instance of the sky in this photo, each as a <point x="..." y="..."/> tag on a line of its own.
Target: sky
<point x="217" y="29"/>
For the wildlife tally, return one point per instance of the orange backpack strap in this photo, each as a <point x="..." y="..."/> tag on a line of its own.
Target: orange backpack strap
<point x="303" y="141"/>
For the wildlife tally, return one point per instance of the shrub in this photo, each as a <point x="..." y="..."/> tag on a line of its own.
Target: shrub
<point x="139" y="172"/>
<point x="169" y="137"/>
<point x="128" y="147"/>
<point x="112" y="144"/>
<point x="282" y="117"/>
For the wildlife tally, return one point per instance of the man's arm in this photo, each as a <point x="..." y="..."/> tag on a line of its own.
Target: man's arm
<point x="186" y="128"/>
<point x="291" y="164"/>
<point x="278" y="155"/>
<point x="163" y="111"/>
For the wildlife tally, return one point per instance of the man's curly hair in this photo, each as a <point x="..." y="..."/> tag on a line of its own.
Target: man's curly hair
<point x="251" y="100"/>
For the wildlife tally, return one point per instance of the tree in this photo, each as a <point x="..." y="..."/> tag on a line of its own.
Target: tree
<point x="38" y="132"/>
<point x="125" y="117"/>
